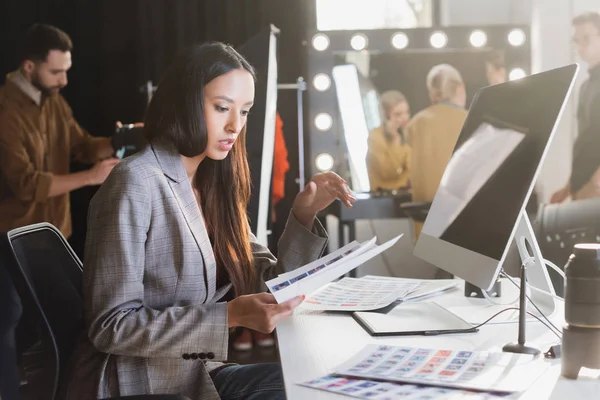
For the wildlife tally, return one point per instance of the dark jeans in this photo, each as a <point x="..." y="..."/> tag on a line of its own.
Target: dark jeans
<point x="250" y="382"/>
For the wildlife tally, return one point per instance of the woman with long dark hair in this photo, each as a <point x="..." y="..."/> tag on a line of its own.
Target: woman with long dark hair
<point x="170" y="262"/>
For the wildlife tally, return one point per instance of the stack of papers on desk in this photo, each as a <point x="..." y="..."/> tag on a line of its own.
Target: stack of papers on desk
<point x="307" y="279"/>
<point x="470" y="370"/>
<point x="359" y="294"/>
<point x="369" y="389"/>
<point x="426" y="288"/>
<point x="374" y="293"/>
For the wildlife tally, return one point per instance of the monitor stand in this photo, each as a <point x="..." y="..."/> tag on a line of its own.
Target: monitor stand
<point x="537" y="274"/>
<point x="532" y="272"/>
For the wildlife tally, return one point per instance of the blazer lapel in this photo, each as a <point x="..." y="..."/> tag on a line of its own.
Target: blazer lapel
<point x="171" y="164"/>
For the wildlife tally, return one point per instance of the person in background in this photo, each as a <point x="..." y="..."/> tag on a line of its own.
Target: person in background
<point x="388" y="155"/>
<point x="39" y="136"/>
<point x="586" y="150"/>
<point x="245" y="338"/>
<point x="170" y="262"/>
<point x="432" y="133"/>
<point x="495" y="68"/>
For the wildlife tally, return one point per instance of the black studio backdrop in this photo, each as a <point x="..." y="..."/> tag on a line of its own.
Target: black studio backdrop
<point x="121" y="44"/>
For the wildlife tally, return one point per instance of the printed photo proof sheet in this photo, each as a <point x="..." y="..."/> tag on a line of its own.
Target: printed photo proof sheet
<point x="366" y="389"/>
<point x="358" y="294"/>
<point x="475" y="370"/>
<point x="307" y="279"/>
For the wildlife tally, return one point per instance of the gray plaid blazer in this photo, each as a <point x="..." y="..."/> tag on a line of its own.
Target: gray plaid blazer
<point x="149" y="284"/>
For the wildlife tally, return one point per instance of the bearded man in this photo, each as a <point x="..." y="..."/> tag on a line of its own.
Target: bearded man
<point x="39" y="137"/>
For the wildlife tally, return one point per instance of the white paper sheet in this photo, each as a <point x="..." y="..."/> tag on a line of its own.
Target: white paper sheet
<point x="367" y="389"/>
<point x="358" y="294"/>
<point x="478" y="370"/>
<point x="425" y="289"/>
<point x="309" y="278"/>
<point x="348" y="251"/>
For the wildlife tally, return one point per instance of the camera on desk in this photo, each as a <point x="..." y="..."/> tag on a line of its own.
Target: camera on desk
<point x="128" y="139"/>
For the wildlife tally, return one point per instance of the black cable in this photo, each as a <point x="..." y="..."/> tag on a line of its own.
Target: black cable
<point x="386" y="262"/>
<point x="516" y="308"/>
<point x="470" y="330"/>
<point x="556" y="330"/>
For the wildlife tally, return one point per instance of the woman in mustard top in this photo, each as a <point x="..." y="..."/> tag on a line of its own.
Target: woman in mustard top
<point x="388" y="155"/>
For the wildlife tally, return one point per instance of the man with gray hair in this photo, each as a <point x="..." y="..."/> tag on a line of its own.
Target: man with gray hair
<point x="432" y="133"/>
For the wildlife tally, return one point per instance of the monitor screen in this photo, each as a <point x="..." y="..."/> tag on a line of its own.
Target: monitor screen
<point x="491" y="174"/>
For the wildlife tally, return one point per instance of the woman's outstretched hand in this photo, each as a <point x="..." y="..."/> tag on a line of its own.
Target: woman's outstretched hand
<point x="320" y="192"/>
<point x="259" y="312"/>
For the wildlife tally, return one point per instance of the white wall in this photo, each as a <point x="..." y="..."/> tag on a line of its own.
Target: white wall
<point x="485" y="12"/>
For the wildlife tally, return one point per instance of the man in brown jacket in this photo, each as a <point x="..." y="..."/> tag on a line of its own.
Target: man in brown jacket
<point x="39" y="136"/>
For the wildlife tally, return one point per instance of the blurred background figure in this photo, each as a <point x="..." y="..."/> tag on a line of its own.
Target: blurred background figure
<point x="495" y="68"/>
<point x="432" y="132"/>
<point x="586" y="150"/>
<point x="40" y="136"/>
<point x="388" y="155"/>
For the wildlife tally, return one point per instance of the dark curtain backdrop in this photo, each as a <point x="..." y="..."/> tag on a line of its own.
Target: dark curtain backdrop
<point x="121" y="44"/>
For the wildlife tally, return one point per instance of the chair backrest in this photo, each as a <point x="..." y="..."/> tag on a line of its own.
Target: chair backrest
<point x="47" y="275"/>
<point x="10" y="314"/>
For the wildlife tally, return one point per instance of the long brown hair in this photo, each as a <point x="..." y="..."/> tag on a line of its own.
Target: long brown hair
<point x="176" y="113"/>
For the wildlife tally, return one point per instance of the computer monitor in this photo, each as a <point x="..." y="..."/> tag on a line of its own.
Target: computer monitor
<point x="480" y="204"/>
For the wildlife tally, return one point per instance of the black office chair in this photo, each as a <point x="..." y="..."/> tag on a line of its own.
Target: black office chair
<point x="47" y="276"/>
<point x="10" y="314"/>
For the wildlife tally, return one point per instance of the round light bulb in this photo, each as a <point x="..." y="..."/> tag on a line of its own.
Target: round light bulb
<point x="323" y="121"/>
<point x="358" y="42"/>
<point x="438" y="40"/>
<point x="516" y="37"/>
<point x="516" y="73"/>
<point x="321" y="82"/>
<point x="320" y="42"/>
<point x="478" y="38"/>
<point x="400" y="40"/>
<point x="324" y="162"/>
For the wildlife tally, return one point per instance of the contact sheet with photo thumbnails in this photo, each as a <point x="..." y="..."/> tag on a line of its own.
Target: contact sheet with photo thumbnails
<point x="309" y="278"/>
<point x="391" y="372"/>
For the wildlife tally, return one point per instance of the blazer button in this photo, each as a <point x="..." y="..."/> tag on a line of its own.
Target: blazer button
<point x="202" y="356"/>
<point x="210" y="355"/>
<point x="194" y="356"/>
<point x="186" y="356"/>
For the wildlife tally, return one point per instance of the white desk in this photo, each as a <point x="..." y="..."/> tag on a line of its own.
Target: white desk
<point x="313" y="343"/>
